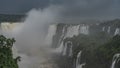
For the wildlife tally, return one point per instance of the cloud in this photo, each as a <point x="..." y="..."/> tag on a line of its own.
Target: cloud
<point x="30" y="40"/>
<point x="21" y="6"/>
<point x="82" y="9"/>
<point x="91" y="9"/>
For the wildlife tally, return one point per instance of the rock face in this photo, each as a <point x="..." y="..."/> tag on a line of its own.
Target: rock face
<point x="85" y="37"/>
<point x="63" y="31"/>
<point x="84" y="45"/>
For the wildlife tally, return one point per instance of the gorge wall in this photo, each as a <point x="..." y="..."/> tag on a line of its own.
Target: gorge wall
<point x="82" y="45"/>
<point x="92" y="39"/>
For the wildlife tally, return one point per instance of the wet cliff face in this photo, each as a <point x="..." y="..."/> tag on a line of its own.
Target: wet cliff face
<point x="63" y="31"/>
<point x="92" y="39"/>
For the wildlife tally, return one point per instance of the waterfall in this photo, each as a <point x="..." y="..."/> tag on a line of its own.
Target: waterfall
<point x="7" y="26"/>
<point x="78" y="59"/>
<point x="116" y="31"/>
<point x="60" y="42"/>
<point x="51" y="33"/>
<point x="108" y="29"/>
<point x="116" y="59"/>
<point x="84" y="29"/>
<point x="78" y="65"/>
<point x="71" y="51"/>
<point x="62" y="36"/>
<point x="103" y="29"/>
<point x="9" y="29"/>
<point x="35" y="59"/>
<point x="72" y="30"/>
<point x="64" y="50"/>
<point x="67" y="49"/>
<point x="14" y="51"/>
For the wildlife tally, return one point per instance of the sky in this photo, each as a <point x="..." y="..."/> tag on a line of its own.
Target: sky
<point x="41" y="13"/>
<point x="74" y="9"/>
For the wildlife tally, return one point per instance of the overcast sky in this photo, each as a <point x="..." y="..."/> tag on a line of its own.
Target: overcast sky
<point x="74" y="8"/>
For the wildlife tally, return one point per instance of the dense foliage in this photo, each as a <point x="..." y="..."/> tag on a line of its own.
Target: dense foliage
<point x="6" y="56"/>
<point x="97" y="50"/>
<point x="113" y="23"/>
<point x="10" y="18"/>
<point x="109" y="49"/>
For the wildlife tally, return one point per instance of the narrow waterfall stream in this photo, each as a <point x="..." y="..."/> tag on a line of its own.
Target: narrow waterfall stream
<point x="78" y="61"/>
<point x="116" y="59"/>
<point x="67" y="49"/>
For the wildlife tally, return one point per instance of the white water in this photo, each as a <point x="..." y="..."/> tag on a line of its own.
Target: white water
<point x="64" y="50"/>
<point x="103" y="29"/>
<point x="67" y="49"/>
<point x="117" y="31"/>
<point x="116" y="59"/>
<point x="84" y="29"/>
<point x="62" y="37"/>
<point x="30" y="38"/>
<point x="108" y="29"/>
<point x="78" y="61"/>
<point x="51" y="33"/>
<point x="60" y="42"/>
<point x="10" y="30"/>
<point x="71" y="50"/>
<point x="72" y="30"/>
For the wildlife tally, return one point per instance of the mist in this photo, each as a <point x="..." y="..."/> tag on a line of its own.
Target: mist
<point x="30" y="37"/>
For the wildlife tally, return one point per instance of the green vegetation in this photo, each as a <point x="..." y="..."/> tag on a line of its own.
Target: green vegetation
<point x="112" y="23"/>
<point x="6" y="56"/>
<point x="10" y="18"/>
<point x="109" y="49"/>
<point x="88" y="44"/>
<point x="97" y="50"/>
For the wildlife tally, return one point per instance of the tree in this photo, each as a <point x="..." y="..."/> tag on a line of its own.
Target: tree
<point x="6" y="56"/>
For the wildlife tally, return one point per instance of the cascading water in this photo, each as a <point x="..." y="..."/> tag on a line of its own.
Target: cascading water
<point x="71" y="30"/>
<point x="7" y="26"/>
<point x="60" y="43"/>
<point x="64" y="50"/>
<point x="84" y="29"/>
<point x="77" y="60"/>
<point x="67" y="50"/>
<point x="103" y="28"/>
<point x="11" y="30"/>
<point x="71" y="50"/>
<point x="108" y="29"/>
<point x="51" y="33"/>
<point x="117" y="31"/>
<point x="62" y="36"/>
<point x="78" y="65"/>
<point x="116" y="59"/>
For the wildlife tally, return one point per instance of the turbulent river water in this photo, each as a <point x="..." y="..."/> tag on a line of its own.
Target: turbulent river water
<point x="40" y="57"/>
<point x="43" y="56"/>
